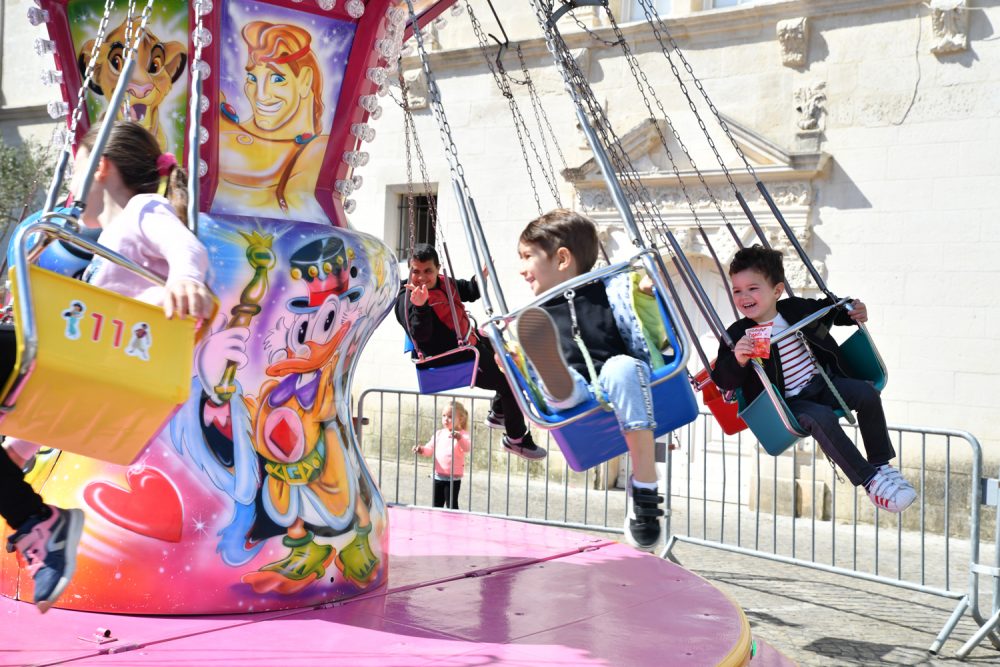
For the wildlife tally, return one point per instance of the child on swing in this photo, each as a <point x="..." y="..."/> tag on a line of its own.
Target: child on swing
<point x="807" y="374"/>
<point x="148" y="229"/>
<point x="554" y="248"/>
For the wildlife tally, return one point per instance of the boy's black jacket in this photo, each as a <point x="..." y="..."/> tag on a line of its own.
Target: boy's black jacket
<point x="729" y="375"/>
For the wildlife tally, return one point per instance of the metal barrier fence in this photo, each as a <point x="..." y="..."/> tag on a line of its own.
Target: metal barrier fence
<point x="724" y="492"/>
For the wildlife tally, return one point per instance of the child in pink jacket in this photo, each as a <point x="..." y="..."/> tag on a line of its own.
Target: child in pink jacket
<point x="449" y="446"/>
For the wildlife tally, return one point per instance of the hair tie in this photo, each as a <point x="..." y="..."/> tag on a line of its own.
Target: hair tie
<point x="165" y="163"/>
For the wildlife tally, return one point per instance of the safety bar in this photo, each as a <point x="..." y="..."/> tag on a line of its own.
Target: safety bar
<point x="456" y="350"/>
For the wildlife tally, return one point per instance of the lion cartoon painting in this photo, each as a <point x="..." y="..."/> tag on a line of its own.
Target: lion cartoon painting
<point x="160" y="64"/>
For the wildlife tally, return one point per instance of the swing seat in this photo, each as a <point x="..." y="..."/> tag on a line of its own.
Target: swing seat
<point x="726" y="413"/>
<point x="598" y="437"/>
<point x="862" y="362"/>
<point x="95" y="388"/>
<point x="458" y="373"/>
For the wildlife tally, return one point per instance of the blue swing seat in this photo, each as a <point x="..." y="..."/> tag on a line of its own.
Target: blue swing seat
<point x="597" y="437"/>
<point x="762" y="414"/>
<point x="459" y="374"/>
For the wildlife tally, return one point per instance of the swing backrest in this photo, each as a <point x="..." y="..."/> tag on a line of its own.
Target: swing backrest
<point x="862" y="359"/>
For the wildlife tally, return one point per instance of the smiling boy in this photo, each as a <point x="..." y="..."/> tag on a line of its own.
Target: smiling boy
<point x="797" y="369"/>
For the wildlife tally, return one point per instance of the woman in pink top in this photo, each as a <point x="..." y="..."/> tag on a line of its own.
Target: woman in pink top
<point x="138" y="223"/>
<point x="449" y="446"/>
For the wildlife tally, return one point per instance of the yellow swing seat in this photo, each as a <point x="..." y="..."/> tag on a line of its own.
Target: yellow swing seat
<point x="108" y="371"/>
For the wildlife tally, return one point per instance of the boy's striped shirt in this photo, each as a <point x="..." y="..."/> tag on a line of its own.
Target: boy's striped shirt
<point x="797" y="366"/>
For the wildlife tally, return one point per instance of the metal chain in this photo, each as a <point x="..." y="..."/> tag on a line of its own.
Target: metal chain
<point x="541" y="121"/>
<point x="642" y="82"/>
<point x="657" y="24"/>
<point x="503" y="81"/>
<point x="129" y="14"/>
<point x="434" y="100"/>
<point x="88" y="75"/>
<point x="582" y="95"/>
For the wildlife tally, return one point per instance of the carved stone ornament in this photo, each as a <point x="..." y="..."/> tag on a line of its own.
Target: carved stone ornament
<point x="950" y="23"/>
<point x="810" y="102"/>
<point x="416" y="89"/>
<point x="793" y="36"/>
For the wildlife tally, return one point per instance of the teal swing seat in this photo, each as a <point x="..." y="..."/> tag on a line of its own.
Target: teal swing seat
<point x="768" y="416"/>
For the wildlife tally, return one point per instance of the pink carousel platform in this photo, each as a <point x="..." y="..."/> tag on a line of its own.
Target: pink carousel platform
<point x="463" y="590"/>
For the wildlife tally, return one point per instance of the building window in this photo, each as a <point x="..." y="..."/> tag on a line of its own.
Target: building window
<point x="423" y="221"/>
<point x="718" y="4"/>
<point x="635" y="12"/>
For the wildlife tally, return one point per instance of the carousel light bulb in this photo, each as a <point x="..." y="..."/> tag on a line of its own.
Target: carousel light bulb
<point x="363" y="131"/>
<point x="392" y="66"/>
<point x="355" y="8"/>
<point x="58" y="109"/>
<point x="59" y="137"/>
<point x="387" y="48"/>
<point x="456" y="10"/>
<point x="204" y="68"/>
<point x="382" y="90"/>
<point x="203" y="104"/>
<point x="375" y="115"/>
<point x="344" y="187"/>
<point x="368" y="102"/>
<point x="201" y="36"/>
<point x="203" y="7"/>
<point x="440" y="22"/>
<point x="357" y="181"/>
<point x="352" y="158"/>
<point x="377" y="75"/>
<point x="407" y="50"/>
<point x="51" y="77"/>
<point x="395" y="15"/>
<point x="326" y="5"/>
<point x="202" y="135"/>
<point x="43" y="46"/>
<point x="202" y="169"/>
<point x="37" y="16"/>
<point x="349" y="206"/>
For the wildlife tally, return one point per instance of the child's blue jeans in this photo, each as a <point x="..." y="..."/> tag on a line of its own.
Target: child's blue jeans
<point x="625" y="381"/>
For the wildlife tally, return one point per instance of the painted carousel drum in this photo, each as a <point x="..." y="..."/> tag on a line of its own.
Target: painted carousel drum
<point x="255" y="496"/>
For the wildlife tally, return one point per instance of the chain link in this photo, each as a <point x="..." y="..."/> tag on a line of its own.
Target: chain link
<point x="657" y="24"/>
<point x="88" y="75"/>
<point x="503" y="81"/>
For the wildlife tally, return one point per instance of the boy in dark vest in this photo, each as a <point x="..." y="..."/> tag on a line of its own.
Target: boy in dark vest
<point x="424" y="311"/>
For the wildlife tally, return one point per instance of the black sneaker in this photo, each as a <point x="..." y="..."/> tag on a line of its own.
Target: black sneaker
<point x="494" y="420"/>
<point x="642" y="520"/>
<point x="46" y="545"/>
<point x="525" y="447"/>
<point x="539" y="338"/>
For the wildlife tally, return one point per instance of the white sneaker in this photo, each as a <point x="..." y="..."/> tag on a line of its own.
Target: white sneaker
<point x="887" y="492"/>
<point x="894" y="474"/>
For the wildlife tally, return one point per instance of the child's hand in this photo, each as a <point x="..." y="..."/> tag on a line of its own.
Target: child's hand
<point x="414" y="448"/>
<point x="187" y="297"/>
<point x="743" y="350"/>
<point x="858" y="312"/>
<point x="646" y="285"/>
<point x="418" y="295"/>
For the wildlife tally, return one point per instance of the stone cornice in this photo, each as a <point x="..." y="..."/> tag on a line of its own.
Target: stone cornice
<point x="744" y="19"/>
<point x="35" y="112"/>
